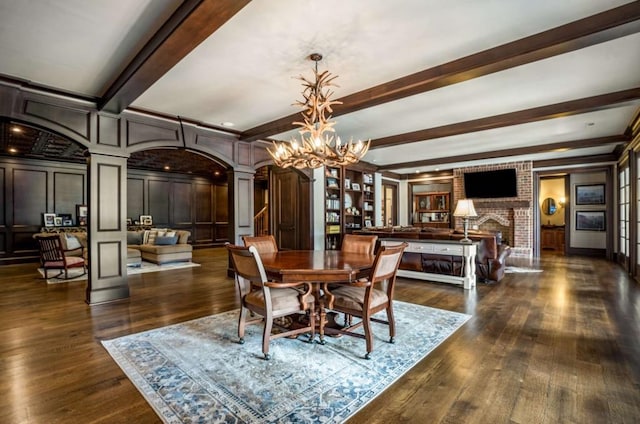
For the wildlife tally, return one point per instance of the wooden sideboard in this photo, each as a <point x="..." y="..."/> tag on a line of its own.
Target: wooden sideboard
<point x="467" y="251"/>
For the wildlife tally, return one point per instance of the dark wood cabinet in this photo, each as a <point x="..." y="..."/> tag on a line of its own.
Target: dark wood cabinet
<point x="432" y="209"/>
<point x="552" y="238"/>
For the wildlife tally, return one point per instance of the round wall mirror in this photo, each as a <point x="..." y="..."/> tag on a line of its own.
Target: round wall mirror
<point x="549" y="206"/>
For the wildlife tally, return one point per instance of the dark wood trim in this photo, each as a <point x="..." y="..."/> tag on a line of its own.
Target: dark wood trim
<point x="599" y="28"/>
<point x="583" y="251"/>
<point x="190" y="24"/>
<point x="199" y="124"/>
<point x="574" y="144"/>
<point x="581" y="160"/>
<point x="540" y="113"/>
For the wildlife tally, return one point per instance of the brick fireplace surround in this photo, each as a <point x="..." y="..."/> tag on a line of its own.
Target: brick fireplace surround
<point x="513" y="216"/>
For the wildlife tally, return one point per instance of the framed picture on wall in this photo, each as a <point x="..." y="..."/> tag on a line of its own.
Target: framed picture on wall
<point x="590" y="221"/>
<point x="49" y="219"/>
<point x="592" y="194"/>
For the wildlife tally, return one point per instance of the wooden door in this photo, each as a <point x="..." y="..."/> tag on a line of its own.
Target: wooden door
<point x="291" y="209"/>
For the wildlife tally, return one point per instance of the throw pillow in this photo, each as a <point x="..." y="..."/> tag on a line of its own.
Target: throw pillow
<point x="170" y="234"/>
<point x="149" y="236"/>
<point x="72" y="242"/>
<point x="164" y="240"/>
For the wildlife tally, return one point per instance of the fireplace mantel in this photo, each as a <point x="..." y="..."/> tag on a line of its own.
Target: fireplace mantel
<point x="502" y="204"/>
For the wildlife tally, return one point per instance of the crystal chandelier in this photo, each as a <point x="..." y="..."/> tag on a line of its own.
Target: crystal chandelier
<point x="318" y="145"/>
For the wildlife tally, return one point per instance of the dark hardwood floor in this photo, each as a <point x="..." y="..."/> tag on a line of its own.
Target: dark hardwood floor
<point x="561" y="346"/>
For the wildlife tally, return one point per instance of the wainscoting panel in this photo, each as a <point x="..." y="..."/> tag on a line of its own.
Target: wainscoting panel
<point x="108" y="130"/>
<point x="68" y="191"/>
<point x="204" y="203"/>
<point x="109" y="204"/>
<point x="30" y="198"/>
<point x="182" y="199"/>
<point x="135" y="198"/>
<point x="159" y="191"/>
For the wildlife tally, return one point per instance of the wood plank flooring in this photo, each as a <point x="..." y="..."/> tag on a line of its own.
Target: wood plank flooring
<point x="562" y="346"/>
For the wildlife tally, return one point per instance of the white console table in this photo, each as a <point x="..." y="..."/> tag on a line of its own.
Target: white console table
<point x="441" y="247"/>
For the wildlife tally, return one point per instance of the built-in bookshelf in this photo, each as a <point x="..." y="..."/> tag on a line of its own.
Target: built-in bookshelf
<point x="431" y="210"/>
<point x="349" y="203"/>
<point x="333" y="207"/>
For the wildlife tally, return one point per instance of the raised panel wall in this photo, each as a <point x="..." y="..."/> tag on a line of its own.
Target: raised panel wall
<point x="159" y="201"/>
<point x="29" y="196"/>
<point x="135" y="198"/>
<point x="181" y="205"/>
<point x="68" y="191"/>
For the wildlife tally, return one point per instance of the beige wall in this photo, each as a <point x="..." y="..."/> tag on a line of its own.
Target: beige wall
<point x="553" y="188"/>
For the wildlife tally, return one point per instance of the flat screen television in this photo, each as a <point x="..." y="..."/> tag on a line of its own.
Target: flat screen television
<point x="491" y="184"/>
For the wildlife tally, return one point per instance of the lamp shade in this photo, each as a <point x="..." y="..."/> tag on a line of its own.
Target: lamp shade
<point x="465" y="209"/>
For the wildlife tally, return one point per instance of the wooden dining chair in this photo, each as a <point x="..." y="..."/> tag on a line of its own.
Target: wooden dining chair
<point x="52" y="256"/>
<point x="275" y="300"/>
<point x="263" y="244"/>
<point x="367" y="296"/>
<point x="359" y="244"/>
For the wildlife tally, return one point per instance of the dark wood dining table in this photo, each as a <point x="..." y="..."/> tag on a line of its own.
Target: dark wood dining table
<point x="320" y="268"/>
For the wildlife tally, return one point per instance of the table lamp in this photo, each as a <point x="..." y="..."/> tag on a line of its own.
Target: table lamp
<point x="465" y="210"/>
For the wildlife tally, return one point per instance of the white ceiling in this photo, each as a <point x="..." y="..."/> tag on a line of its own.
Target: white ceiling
<point x="243" y="72"/>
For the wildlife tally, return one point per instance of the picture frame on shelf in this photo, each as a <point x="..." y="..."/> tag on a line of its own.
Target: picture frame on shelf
<point x="129" y="221"/>
<point x="590" y="194"/>
<point x="82" y="211"/>
<point x="332" y="183"/>
<point x="57" y="221"/>
<point x="49" y="219"/>
<point x="355" y="186"/>
<point x="347" y="183"/>
<point x="146" y="220"/>
<point x="591" y="221"/>
<point x="333" y="172"/>
<point x="66" y="218"/>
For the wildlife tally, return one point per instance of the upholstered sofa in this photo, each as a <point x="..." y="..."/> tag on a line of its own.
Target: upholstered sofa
<point x="161" y="245"/>
<point x="490" y="259"/>
<point x="74" y="242"/>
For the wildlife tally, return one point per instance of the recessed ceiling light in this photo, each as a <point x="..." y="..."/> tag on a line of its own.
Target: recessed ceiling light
<point x="16" y="129"/>
<point x="417" y="171"/>
<point x="590" y="124"/>
<point x="167" y="167"/>
<point x="216" y="173"/>
<point x="13" y="150"/>
<point x="228" y="124"/>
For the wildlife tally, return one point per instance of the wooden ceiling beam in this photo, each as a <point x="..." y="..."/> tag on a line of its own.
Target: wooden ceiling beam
<point x="580" y="160"/>
<point x="545" y="148"/>
<point x="596" y="29"/>
<point x="557" y="110"/>
<point x="190" y="24"/>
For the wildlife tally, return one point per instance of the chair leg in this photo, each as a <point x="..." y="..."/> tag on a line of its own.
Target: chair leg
<point x="312" y="323"/>
<point x="241" y="324"/>
<point x="368" y="335"/>
<point x="266" y="336"/>
<point x="392" y="324"/>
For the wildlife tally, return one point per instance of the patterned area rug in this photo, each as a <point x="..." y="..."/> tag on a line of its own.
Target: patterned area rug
<point x="197" y="372"/>
<point x="77" y="274"/>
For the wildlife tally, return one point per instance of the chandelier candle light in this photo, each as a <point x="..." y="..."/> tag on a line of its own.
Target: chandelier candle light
<point x="465" y="210"/>
<point x="318" y="145"/>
